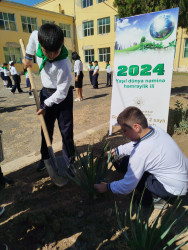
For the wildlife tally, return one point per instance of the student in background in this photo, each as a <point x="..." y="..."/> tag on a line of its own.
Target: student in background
<point x="95" y="75"/>
<point x="90" y="69"/>
<point x="78" y="70"/>
<point x="28" y="84"/>
<point x="7" y="76"/>
<point x="16" y="78"/>
<point x="2" y="74"/>
<point x="109" y="72"/>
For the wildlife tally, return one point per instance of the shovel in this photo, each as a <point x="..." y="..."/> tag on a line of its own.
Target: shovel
<point x="56" y="167"/>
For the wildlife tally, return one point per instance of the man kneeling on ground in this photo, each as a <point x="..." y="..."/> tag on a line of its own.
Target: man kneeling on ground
<point x="152" y="160"/>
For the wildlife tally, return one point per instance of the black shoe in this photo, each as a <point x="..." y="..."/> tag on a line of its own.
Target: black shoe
<point x="159" y="203"/>
<point x="41" y="166"/>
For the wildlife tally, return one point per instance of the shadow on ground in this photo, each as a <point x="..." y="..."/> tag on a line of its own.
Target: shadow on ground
<point x="12" y="109"/>
<point x="39" y="214"/>
<point x="179" y="90"/>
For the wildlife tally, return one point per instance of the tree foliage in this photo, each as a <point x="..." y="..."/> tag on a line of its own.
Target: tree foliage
<point x="128" y="8"/>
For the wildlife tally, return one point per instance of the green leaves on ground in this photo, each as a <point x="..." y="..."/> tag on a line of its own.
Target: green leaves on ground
<point x="89" y="170"/>
<point x="149" y="236"/>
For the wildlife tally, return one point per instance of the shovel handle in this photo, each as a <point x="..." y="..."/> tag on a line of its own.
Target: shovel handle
<point x="41" y="117"/>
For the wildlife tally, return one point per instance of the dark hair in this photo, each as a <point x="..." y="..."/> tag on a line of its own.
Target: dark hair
<point x="132" y="115"/>
<point x="12" y="63"/>
<point x="5" y="64"/>
<point x="90" y="62"/>
<point x="50" y="37"/>
<point x="95" y="61"/>
<point x="75" y="56"/>
<point x="107" y="62"/>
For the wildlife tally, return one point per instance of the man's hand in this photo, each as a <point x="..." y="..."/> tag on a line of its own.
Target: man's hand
<point x="113" y="153"/>
<point x="101" y="188"/>
<point x="27" y="63"/>
<point x="41" y="112"/>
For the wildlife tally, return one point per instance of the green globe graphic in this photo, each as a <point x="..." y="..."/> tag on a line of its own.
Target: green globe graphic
<point x="162" y="27"/>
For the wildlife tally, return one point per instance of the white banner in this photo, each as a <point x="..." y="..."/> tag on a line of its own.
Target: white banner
<point x="143" y="65"/>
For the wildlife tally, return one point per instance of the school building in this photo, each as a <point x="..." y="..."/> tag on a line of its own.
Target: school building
<point x="95" y="30"/>
<point x="18" y="21"/>
<point x="89" y="27"/>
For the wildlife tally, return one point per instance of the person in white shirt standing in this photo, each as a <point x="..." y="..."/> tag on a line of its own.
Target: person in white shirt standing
<point x="152" y="160"/>
<point x="7" y="76"/>
<point x="2" y="74"/>
<point x="56" y="95"/>
<point x="90" y="69"/>
<point x="16" y="78"/>
<point x="78" y="70"/>
<point x="95" y="75"/>
<point x="109" y="72"/>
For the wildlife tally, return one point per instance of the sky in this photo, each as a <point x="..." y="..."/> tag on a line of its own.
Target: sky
<point x="27" y="2"/>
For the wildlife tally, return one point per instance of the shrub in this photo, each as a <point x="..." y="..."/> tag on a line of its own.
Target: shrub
<point x="89" y="170"/>
<point x="181" y="118"/>
<point x="147" y="236"/>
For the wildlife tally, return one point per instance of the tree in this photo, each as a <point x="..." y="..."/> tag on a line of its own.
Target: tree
<point x="128" y="8"/>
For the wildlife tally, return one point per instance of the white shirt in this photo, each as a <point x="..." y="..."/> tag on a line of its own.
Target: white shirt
<point x="55" y="75"/>
<point x="108" y="69"/>
<point x="95" y="69"/>
<point x="158" y="155"/>
<point x="1" y="70"/>
<point x="13" y="71"/>
<point x="6" y="72"/>
<point x="91" y="68"/>
<point x="78" y="66"/>
<point x="26" y="75"/>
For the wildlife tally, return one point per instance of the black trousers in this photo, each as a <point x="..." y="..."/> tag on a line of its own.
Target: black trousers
<point x="95" y="81"/>
<point x="16" y="84"/>
<point x="109" y="80"/>
<point x="90" y="76"/>
<point x="2" y="76"/>
<point x="9" y="81"/>
<point x="63" y="112"/>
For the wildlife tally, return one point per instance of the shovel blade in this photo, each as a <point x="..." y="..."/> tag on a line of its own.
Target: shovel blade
<point x="56" y="169"/>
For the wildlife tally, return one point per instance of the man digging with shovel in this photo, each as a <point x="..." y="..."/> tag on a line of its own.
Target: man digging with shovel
<point x="56" y="96"/>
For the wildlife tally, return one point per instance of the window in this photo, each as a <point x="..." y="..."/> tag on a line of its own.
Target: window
<point x="104" y="54"/>
<point x="46" y="21"/>
<point x="87" y="3"/>
<point x="7" y="21"/>
<point x="89" y="55"/>
<point x="100" y="1"/>
<point x="186" y="48"/>
<point x="66" y="29"/>
<point x="88" y="28"/>
<point x="29" y="24"/>
<point x="115" y="22"/>
<point x="70" y="55"/>
<point x="104" y="25"/>
<point x="12" y="54"/>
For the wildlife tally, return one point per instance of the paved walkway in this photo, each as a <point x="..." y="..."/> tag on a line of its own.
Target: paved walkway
<point x="21" y="127"/>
